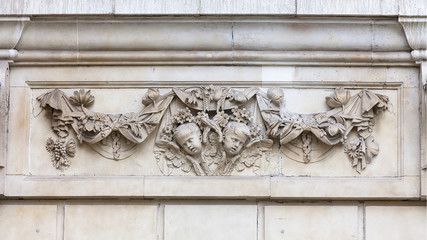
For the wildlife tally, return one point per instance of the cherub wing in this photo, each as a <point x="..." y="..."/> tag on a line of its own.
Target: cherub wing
<point x="253" y="153"/>
<point x="169" y="156"/>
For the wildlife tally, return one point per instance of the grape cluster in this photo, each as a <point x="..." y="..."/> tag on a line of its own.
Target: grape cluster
<point x="59" y="150"/>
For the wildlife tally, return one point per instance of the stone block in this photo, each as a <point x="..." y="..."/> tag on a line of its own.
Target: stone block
<point x="210" y="222"/>
<point x="133" y="36"/>
<point x="337" y="7"/>
<point x="227" y="187"/>
<point x="74" y="186"/>
<point x="49" y="36"/>
<point x="110" y="221"/>
<point x="294" y="36"/>
<point x="48" y="7"/>
<point x="158" y="7"/>
<point x="345" y="188"/>
<point x="389" y="37"/>
<point x="27" y="221"/>
<point x="331" y="222"/>
<point x="247" y="7"/>
<point x="396" y="222"/>
<point x="412" y="7"/>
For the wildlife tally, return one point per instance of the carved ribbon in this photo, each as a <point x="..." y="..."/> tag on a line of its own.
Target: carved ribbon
<point x="213" y="110"/>
<point x="93" y="127"/>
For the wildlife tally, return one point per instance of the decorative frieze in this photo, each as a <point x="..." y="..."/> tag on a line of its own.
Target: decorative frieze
<point x="214" y="130"/>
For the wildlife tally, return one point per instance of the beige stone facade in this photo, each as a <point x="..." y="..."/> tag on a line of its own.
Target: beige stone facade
<point x="213" y="119"/>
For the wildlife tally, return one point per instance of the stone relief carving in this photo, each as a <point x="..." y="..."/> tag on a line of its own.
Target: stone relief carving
<point x="211" y="135"/>
<point x="114" y="136"/>
<point x="212" y="130"/>
<point x="329" y="128"/>
<point x="61" y="152"/>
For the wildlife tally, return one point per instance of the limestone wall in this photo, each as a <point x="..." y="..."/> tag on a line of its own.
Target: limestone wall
<point x="95" y="219"/>
<point x="326" y="101"/>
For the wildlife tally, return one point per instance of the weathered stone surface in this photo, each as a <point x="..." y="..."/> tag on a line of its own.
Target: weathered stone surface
<point x="28" y="221"/>
<point x="18" y="139"/>
<point x="210" y="222"/>
<point x="196" y="187"/>
<point x="325" y="222"/>
<point x="337" y="7"/>
<point x="396" y="222"/>
<point x="301" y="7"/>
<point x="247" y="7"/>
<point x="110" y="221"/>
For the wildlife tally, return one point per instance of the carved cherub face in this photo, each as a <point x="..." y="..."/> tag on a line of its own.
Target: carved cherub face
<point x="235" y="137"/>
<point x="189" y="137"/>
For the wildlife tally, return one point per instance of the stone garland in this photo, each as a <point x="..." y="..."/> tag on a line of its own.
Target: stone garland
<point x="215" y="134"/>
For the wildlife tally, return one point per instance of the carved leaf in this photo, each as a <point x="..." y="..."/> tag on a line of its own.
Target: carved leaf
<point x="372" y="149"/>
<point x="71" y="148"/>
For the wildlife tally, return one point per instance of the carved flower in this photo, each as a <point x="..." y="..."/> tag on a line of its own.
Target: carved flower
<point x="339" y="98"/>
<point x="256" y="131"/>
<point x="82" y="98"/>
<point x="167" y="133"/>
<point x="275" y="95"/>
<point x="191" y="99"/>
<point x="241" y="115"/>
<point x="183" y="116"/>
<point x="221" y="118"/>
<point x="352" y="148"/>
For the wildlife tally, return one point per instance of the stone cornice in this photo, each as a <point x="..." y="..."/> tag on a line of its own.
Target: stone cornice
<point x="204" y="40"/>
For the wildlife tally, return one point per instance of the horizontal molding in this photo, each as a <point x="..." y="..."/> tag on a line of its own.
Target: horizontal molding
<point x="145" y="84"/>
<point x="214" y="187"/>
<point x="211" y="57"/>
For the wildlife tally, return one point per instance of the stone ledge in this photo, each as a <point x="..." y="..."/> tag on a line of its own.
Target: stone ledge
<point x="282" y="188"/>
<point x="209" y="57"/>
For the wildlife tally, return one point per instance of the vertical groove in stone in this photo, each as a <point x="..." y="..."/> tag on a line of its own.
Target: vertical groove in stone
<point x="60" y="216"/>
